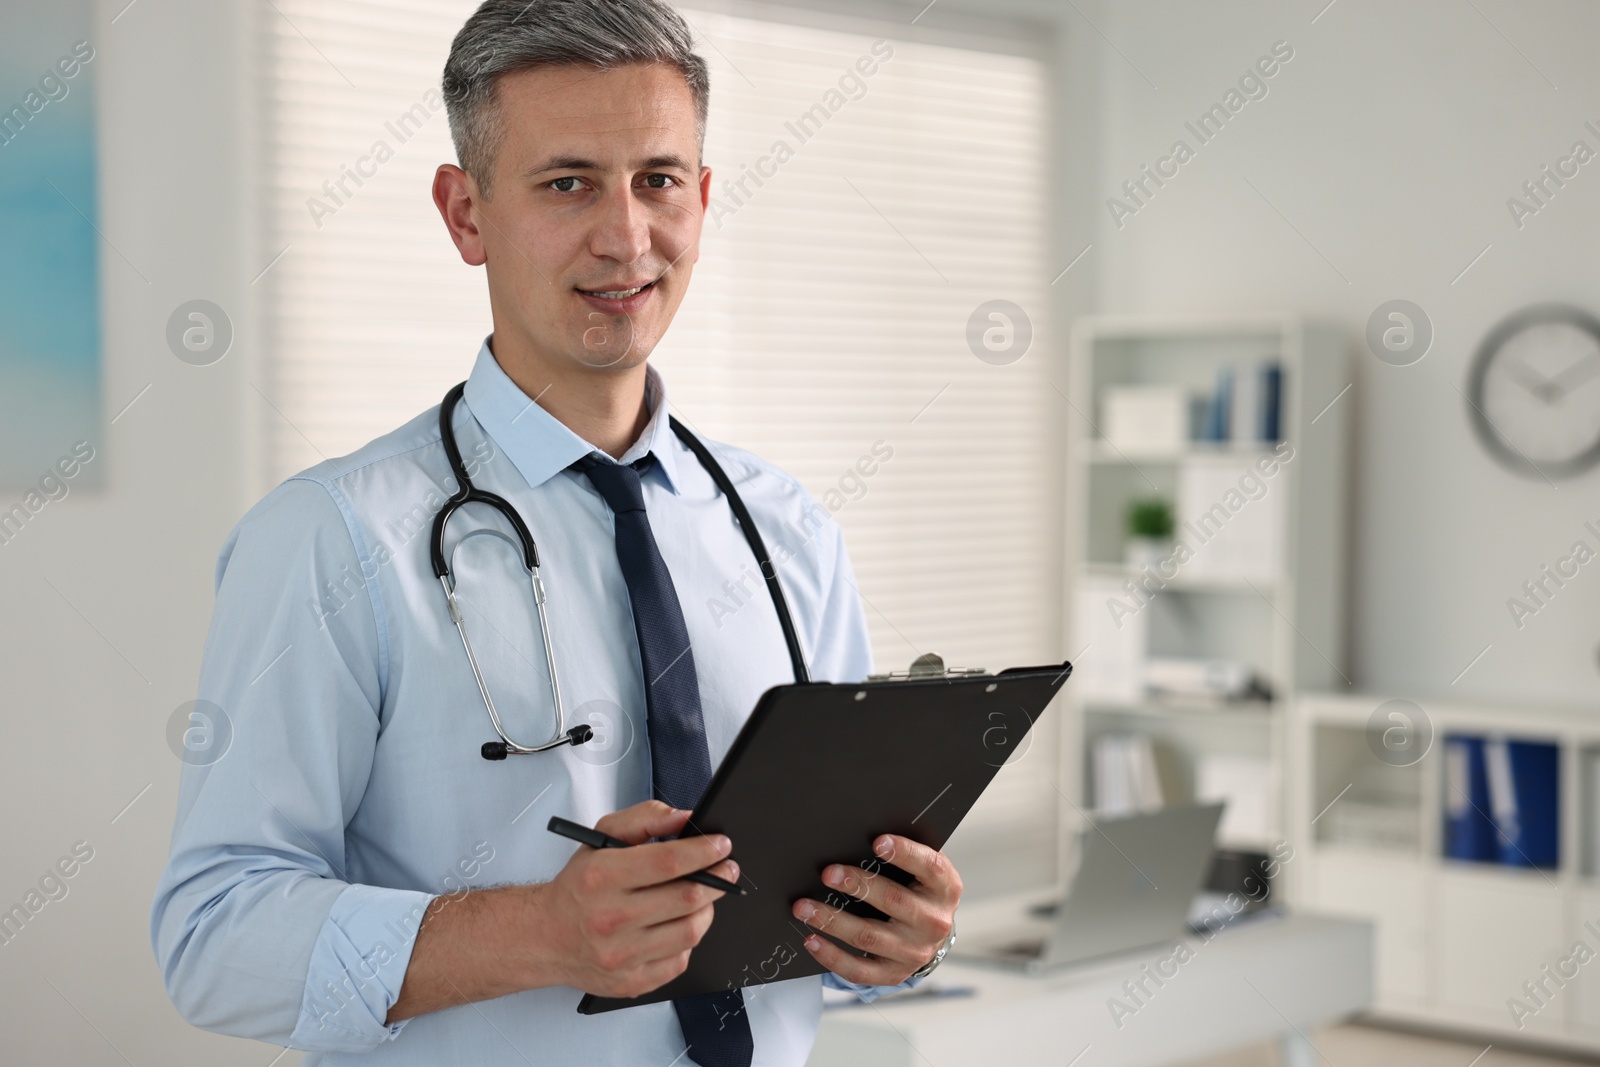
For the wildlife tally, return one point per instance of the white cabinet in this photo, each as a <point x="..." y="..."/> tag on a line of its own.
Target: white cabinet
<point x="1389" y="891"/>
<point x="1496" y="930"/>
<point x="1473" y="947"/>
<point x="1583" y="998"/>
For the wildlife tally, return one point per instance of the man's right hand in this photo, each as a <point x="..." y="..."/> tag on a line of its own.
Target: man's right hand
<point x="616" y="922"/>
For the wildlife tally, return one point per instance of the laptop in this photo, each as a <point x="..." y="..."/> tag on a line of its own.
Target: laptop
<point x="1137" y="876"/>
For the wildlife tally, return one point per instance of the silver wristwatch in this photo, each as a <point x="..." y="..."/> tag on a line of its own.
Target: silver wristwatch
<point x="938" y="957"/>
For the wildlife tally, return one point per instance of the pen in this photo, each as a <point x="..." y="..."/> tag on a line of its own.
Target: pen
<point x="597" y="839"/>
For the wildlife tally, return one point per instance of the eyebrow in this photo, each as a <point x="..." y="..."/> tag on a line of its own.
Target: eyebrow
<point x="562" y="163"/>
<point x="663" y="162"/>
<point x="666" y="162"/>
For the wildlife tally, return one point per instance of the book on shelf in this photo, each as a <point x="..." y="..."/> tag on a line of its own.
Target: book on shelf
<point x="1245" y="406"/>
<point x="1126" y="780"/>
<point x="1271" y="428"/>
<point x="1217" y="426"/>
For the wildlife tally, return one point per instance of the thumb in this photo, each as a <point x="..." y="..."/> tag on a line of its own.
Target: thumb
<point x="641" y="822"/>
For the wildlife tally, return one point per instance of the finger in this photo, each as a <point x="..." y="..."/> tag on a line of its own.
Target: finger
<point x="931" y="868"/>
<point x="645" y="978"/>
<point x="668" y="939"/>
<point x="642" y="821"/>
<point x="853" y="968"/>
<point x="875" y="888"/>
<point x="663" y="861"/>
<point x="728" y="870"/>
<point x="657" y="974"/>
<point x="889" y="941"/>
<point x="661" y="903"/>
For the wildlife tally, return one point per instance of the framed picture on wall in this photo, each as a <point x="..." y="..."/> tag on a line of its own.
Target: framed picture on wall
<point x="51" y="425"/>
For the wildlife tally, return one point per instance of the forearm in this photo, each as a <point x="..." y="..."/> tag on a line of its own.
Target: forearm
<point x="477" y="945"/>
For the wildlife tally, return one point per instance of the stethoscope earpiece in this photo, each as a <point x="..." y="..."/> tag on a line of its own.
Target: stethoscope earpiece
<point x="578" y="735"/>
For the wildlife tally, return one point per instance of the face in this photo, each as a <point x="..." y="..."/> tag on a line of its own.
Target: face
<point x="594" y="225"/>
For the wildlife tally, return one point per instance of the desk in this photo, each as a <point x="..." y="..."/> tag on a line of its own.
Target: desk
<point x="1269" y="978"/>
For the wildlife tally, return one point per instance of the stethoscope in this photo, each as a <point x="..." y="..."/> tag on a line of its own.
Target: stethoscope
<point x="467" y="493"/>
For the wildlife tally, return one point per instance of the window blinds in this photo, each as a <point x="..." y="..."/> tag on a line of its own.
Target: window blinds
<point x="827" y="326"/>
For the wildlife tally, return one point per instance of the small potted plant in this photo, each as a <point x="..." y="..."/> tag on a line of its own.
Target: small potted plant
<point x="1149" y="532"/>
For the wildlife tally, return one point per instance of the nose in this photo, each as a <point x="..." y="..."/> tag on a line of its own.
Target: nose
<point x="622" y="228"/>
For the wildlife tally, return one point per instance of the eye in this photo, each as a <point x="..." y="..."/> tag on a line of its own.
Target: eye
<point x="566" y="185"/>
<point x="660" y="181"/>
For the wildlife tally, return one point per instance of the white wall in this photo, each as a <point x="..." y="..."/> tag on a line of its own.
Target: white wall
<point x="1391" y="142"/>
<point x="89" y="685"/>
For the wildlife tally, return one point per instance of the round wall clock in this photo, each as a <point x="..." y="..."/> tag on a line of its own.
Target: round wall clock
<point x="1534" y="391"/>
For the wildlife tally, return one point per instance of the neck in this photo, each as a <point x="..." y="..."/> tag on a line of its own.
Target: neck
<point x="606" y="407"/>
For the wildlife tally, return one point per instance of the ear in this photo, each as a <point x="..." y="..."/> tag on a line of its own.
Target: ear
<point x="705" y="205"/>
<point x="456" y="195"/>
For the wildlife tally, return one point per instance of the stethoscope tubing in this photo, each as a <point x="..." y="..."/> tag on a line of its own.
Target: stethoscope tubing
<point x="468" y="493"/>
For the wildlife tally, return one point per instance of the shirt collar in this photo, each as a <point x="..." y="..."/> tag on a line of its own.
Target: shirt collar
<point x="541" y="445"/>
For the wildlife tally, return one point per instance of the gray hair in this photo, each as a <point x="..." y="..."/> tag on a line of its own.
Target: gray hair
<point x="506" y="36"/>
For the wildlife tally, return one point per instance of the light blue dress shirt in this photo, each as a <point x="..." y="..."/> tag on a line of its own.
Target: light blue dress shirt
<point x="351" y="791"/>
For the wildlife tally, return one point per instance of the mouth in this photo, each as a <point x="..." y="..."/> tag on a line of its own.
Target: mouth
<point x="619" y="301"/>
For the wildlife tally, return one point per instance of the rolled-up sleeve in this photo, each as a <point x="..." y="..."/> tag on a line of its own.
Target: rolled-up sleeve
<point x="257" y="928"/>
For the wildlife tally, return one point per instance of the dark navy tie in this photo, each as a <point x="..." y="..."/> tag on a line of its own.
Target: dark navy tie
<point x="715" y="1026"/>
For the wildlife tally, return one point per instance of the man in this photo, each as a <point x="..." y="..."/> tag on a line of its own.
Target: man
<point x="329" y="885"/>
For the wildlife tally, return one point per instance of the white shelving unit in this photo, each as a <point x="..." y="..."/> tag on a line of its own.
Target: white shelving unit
<point x="1455" y="940"/>
<point x="1286" y="622"/>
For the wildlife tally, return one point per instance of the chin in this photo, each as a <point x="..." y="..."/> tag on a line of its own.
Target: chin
<point x="601" y="358"/>
<point x="615" y="343"/>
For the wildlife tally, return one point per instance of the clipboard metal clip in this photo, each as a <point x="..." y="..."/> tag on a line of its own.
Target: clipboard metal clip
<point x="928" y="665"/>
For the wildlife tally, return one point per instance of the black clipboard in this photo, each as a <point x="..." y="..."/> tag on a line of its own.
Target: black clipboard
<point x="817" y="772"/>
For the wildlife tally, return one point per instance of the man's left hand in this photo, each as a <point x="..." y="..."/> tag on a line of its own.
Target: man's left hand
<point x="920" y="914"/>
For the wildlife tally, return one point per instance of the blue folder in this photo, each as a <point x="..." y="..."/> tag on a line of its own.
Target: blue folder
<point x="1469" y="833"/>
<point x="1525" y="809"/>
<point x="1219" y="408"/>
<point x="1271" y="421"/>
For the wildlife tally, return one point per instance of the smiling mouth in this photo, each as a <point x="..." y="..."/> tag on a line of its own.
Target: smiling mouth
<point x="617" y="294"/>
